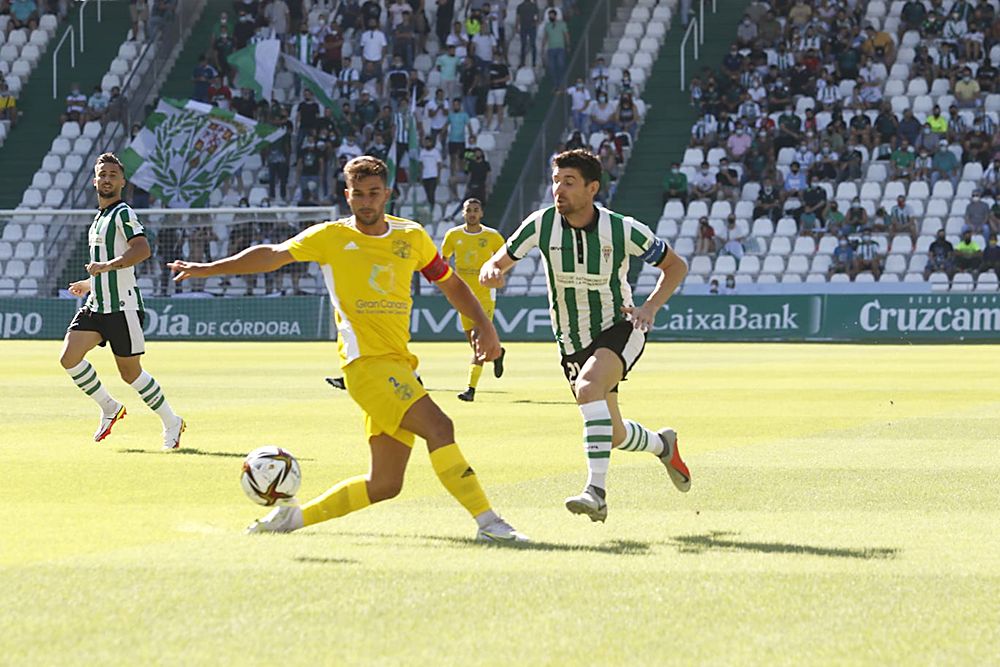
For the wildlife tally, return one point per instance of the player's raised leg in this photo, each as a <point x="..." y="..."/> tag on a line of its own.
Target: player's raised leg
<point x="428" y="421"/>
<point x="76" y="344"/>
<point x="631" y="436"/>
<point x="149" y="390"/>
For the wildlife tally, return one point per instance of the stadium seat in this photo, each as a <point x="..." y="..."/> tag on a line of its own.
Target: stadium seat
<point x="826" y="245"/>
<point x="73" y="163"/>
<point x="32" y="53"/>
<point x="673" y="210"/>
<point x="628" y="45"/>
<point x="35" y="231"/>
<point x="762" y="227"/>
<point x="667" y="228"/>
<point x="786" y="227"/>
<point x="643" y="61"/>
<point x="54" y="198"/>
<point x="749" y="265"/>
<point x="987" y="282"/>
<point x="83" y="146"/>
<point x="962" y="282"/>
<point x="697" y="209"/>
<point x="60" y="146"/>
<point x="41" y="180"/>
<point x="689" y="228"/>
<point x="70" y="130"/>
<point x="804" y="245"/>
<point x="895" y="264"/>
<point x="9" y="53"/>
<point x="773" y="264"/>
<point x="27" y="287"/>
<point x="700" y="265"/>
<point x="48" y="23"/>
<point x="15" y="269"/>
<point x="797" y="264"/>
<point x="92" y="129"/>
<point x="21" y="69"/>
<point x="17" y="37"/>
<point x="6" y="251"/>
<point x="24" y="250"/>
<point x="902" y="244"/>
<point x="32" y="198"/>
<point x="725" y="264"/>
<point x="120" y="67"/>
<point x="781" y="246"/>
<point x="36" y="268"/>
<point x="820" y="264"/>
<point x="720" y="209"/>
<point x="684" y="247"/>
<point x="918" y="263"/>
<point x="938" y="281"/>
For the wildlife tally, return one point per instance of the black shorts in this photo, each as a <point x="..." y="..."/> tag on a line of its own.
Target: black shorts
<point x="622" y="338"/>
<point x="122" y="329"/>
<point x="456" y="148"/>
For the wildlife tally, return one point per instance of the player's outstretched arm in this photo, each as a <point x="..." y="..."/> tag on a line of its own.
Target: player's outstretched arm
<point x="484" y="335"/>
<point x="673" y="269"/>
<point x="492" y="272"/>
<point x="138" y="250"/>
<point x="256" y="259"/>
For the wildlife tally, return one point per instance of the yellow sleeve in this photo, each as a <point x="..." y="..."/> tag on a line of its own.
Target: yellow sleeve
<point x="311" y="244"/>
<point x="496" y="242"/>
<point x="448" y="245"/>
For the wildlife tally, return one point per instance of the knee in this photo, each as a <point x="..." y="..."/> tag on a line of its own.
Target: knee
<point x="129" y="376"/>
<point x="385" y="488"/>
<point x="587" y="391"/>
<point x="441" y="431"/>
<point x="67" y="361"/>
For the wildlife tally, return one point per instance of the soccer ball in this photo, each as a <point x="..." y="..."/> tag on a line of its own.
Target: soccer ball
<point x="270" y="475"/>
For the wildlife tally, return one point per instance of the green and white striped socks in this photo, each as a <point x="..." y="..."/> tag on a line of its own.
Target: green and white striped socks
<point x="85" y="377"/>
<point x="150" y="392"/>
<point x="597" y="441"/>
<point x="638" y="438"/>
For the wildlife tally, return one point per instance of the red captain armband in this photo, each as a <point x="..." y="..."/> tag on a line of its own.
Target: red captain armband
<point x="436" y="270"/>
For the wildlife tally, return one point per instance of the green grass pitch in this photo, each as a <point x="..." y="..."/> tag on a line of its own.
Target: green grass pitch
<point x="845" y="509"/>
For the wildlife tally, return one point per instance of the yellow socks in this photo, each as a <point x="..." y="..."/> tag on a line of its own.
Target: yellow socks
<point x="474" y="373"/>
<point x="347" y="496"/>
<point x="459" y="478"/>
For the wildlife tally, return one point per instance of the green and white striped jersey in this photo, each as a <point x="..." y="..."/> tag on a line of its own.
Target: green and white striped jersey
<point x="112" y="229"/>
<point x="586" y="269"/>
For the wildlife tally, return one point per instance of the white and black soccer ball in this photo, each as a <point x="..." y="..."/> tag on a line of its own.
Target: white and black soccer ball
<point x="270" y="475"/>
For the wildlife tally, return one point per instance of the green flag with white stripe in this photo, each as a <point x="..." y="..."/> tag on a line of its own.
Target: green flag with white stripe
<point x="255" y="66"/>
<point x="189" y="148"/>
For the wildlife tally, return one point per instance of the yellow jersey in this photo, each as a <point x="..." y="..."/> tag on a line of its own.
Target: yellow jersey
<point x="471" y="251"/>
<point x="368" y="278"/>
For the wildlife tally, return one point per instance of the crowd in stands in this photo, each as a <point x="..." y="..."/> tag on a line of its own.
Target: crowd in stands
<point x="804" y="102"/>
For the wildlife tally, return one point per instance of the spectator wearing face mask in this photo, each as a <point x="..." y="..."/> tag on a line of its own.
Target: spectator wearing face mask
<point x="675" y="184"/>
<point x="769" y="201"/>
<point x="843" y="258"/>
<point x="704" y="185"/>
<point x="945" y="164"/>
<point x="795" y="181"/>
<point x="867" y="256"/>
<point x="968" y="254"/>
<point x="991" y="257"/>
<point x="555" y="45"/>
<point x="579" y="97"/>
<point x="901" y="219"/>
<point x="967" y="91"/>
<point x="940" y="256"/>
<point x="601" y="113"/>
<point x="977" y="215"/>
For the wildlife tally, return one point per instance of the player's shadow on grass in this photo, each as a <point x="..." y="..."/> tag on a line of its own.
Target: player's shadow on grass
<point x="190" y="451"/>
<point x="611" y="547"/>
<point x="718" y="541"/>
<point x="325" y="561"/>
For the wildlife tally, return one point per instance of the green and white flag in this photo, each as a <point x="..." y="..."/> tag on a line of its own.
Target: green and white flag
<point x="255" y="66"/>
<point x="188" y="148"/>
<point x="319" y="82"/>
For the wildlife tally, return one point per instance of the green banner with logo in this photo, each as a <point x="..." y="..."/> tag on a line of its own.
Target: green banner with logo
<point x="818" y="317"/>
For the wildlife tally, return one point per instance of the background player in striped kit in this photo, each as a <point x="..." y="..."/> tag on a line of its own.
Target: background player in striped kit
<point x="601" y="333"/>
<point x="113" y="313"/>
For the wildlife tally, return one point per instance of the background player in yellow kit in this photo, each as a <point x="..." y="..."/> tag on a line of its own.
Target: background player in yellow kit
<point x="368" y="261"/>
<point x="472" y="244"/>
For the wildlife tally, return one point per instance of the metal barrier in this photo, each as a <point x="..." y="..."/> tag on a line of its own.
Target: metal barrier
<point x="534" y="173"/>
<point x="83" y="6"/>
<point x="698" y="25"/>
<point x="55" y="58"/>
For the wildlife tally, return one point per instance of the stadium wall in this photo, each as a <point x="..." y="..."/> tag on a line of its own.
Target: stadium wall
<point x="882" y="318"/>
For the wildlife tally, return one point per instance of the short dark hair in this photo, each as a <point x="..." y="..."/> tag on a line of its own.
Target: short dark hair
<point x="109" y="158"/>
<point x="364" y="166"/>
<point x="472" y="200"/>
<point x="582" y="160"/>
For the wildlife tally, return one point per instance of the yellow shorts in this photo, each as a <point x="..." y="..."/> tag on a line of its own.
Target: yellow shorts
<point x="385" y="388"/>
<point x="489" y="304"/>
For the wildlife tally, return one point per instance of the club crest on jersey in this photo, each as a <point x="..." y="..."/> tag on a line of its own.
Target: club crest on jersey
<point x="382" y="278"/>
<point x="482" y="243"/>
<point x="404" y="391"/>
<point x="401" y="248"/>
<point x="606" y="252"/>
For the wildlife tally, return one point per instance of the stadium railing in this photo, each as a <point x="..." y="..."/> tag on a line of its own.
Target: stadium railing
<point x="536" y="165"/>
<point x="39" y="247"/>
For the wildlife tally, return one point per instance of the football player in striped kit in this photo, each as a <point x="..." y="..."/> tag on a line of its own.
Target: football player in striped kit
<point x="113" y="313"/>
<point x="600" y="331"/>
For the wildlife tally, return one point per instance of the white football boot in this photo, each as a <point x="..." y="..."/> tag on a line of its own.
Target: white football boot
<point x="500" y="531"/>
<point x="107" y="421"/>
<point x="172" y="435"/>
<point x="282" y="519"/>
<point x="588" y="503"/>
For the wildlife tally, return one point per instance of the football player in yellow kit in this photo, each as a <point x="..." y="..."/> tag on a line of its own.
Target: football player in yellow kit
<point x="368" y="260"/>
<point x="473" y="244"/>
